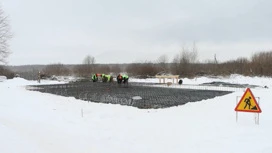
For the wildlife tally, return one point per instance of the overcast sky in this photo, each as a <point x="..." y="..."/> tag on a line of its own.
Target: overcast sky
<point x="125" y="31"/>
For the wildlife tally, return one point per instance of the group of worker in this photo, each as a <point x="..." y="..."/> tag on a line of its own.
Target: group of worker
<point x="108" y="78"/>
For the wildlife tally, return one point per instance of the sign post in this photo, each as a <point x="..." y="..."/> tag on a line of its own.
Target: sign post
<point x="248" y="103"/>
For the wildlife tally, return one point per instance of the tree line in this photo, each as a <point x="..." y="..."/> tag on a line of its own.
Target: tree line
<point x="184" y="64"/>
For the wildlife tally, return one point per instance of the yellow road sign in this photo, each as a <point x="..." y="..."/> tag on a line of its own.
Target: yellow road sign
<point x="248" y="103"/>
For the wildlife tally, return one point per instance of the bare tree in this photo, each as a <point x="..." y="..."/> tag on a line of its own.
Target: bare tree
<point x="115" y="68"/>
<point x="89" y="60"/>
<point x="5" y="36"/>
<point x="194" y="53"/>
<point x="88" y="66"/>
<point x="261" y="63"/>
<point x="189" y="55"/>
<point x="162" y="63"/>
<point x="175" y="64"/>
<point x="56" y="69"/>
<point x="215" y="59"/>
<point x="144" y="69"/>
<point x="6" y="72"/>
<point x="182" y="63"/>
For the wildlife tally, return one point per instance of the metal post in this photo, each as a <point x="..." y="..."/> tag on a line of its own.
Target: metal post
<point x="39" y="77"/>
<point x="236" y="117"/>
<point x="236" y="111"/>
<point x="257" y="118"/>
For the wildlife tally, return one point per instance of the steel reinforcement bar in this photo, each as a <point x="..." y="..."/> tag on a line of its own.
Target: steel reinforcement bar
<point x="135" y="94"/>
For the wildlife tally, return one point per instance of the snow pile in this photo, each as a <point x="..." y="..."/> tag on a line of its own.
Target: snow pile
<point x="3" y="78"/>
<point x="235" y="79"/>
<point x="22" y="82"/>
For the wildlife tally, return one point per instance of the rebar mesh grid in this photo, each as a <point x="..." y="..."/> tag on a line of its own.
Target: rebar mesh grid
<point x="135" y="94"/>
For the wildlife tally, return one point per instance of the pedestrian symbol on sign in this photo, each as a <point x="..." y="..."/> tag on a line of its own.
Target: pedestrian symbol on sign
<point x="248" y="103"/>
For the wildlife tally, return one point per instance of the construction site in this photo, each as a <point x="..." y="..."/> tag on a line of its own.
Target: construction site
<point x="135" y="94"/>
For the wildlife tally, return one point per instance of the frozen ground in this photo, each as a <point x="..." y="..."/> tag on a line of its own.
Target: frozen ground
<point x="33" y="122"/>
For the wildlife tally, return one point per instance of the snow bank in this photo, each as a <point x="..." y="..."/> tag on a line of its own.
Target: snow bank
<point x="3" y="78"/>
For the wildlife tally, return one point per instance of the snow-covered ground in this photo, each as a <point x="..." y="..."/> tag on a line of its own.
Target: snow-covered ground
<point x="3" y="78"/>
<point x="34" y="122"/>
